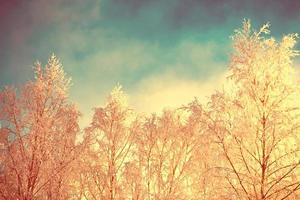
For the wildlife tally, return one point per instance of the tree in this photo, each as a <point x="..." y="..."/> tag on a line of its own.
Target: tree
<point x="165" y="153"/>
<point x="243" y="144"/>
<point x="255" y="118"/>
<point x="204" y="176"/>
<point x="38" y="132"/>
<point x="110" y="139"/>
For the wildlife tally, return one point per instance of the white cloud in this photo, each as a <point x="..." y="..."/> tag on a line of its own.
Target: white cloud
<point x="170" y="91"/>
<point x="171" y="84"/>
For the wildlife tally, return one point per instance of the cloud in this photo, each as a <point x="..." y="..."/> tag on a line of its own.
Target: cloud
<point x="97" y="57"/>
<point x="97" y="54"/>
<point x="171" y="91"/>
<point x="28" y="23"/>
<point x="167" y="91"/>
<point x="208" y="13"/>
<point x="147" y="72"/>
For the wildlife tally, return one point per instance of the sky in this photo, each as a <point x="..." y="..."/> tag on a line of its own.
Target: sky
<point x="163" y="52"/>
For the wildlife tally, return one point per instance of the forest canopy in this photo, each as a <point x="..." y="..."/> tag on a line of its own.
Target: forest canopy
<point x="244" y="143"/>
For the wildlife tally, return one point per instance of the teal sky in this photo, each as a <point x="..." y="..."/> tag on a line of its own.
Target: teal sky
<point x="151" y="47"/>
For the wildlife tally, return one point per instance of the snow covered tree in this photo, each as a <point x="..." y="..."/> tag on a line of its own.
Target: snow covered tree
<point x="38" y="132"/>
<point x="165" y="153"/>
<point x="110" y="139"/>
<point x="255" y="118"/>
<point x="243" y="144"/>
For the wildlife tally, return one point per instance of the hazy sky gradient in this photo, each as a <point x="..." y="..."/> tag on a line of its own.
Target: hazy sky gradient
<point x="164" y="52"/>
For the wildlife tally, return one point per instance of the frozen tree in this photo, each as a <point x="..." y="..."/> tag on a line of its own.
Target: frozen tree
<point x="243" y="144"/>
<point x="205" y="180"/>
<point x="255" y="118"/>
<point x="110" y="139"/>
<point x="38" y="132"/>
<point x="165" y="147"/>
